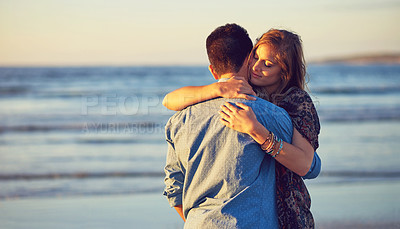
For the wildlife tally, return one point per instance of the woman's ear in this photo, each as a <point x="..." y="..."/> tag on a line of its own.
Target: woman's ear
<point x="216" y="76"/>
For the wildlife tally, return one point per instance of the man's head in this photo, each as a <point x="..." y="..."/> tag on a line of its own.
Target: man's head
<point x="227" y="48"/>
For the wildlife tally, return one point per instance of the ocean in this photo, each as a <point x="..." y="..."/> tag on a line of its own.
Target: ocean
<point x="84" y="131"/>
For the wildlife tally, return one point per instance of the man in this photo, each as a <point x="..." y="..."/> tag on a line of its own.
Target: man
<point x="217" y="177"/>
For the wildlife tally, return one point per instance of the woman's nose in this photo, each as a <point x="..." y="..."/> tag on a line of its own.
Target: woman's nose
<point x="256" y="66"/>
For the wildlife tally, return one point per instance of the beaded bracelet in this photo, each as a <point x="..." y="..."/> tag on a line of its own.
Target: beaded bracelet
<point x="280" y="148"/>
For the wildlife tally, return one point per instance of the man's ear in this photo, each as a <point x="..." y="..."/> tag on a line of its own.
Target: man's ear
<point x="216" y="76"/>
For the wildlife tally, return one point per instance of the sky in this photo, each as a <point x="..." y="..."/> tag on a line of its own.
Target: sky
<point x="173" y="32"/>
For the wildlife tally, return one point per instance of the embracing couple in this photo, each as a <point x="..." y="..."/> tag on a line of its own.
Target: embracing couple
<point x="239" y="149"/>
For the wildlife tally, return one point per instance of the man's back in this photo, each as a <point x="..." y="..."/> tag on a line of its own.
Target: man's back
<point x="223" y="177"/>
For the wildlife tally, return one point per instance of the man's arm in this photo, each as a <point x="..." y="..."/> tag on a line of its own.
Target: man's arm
<point x="174" y="177"/>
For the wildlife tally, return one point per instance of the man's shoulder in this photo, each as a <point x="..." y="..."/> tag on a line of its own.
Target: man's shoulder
<point x="214" y="104"/>
<point x="203" y="108"/>
<point x="211" y="104"/>
<point x="264" y="105"/>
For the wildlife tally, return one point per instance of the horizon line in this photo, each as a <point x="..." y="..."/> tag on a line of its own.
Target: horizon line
<point x="314" y="60"/>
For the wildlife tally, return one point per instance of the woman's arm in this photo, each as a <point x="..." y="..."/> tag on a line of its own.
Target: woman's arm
<point x="235" y="87"/>
<point x="315" y="169"/>
<point x="297" y="156"/>
<point x="183" y="97"/>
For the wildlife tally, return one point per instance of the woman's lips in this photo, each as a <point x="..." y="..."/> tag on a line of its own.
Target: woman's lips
<point x="255" y="75"/>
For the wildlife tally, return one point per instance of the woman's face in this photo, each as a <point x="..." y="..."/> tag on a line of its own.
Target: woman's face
<point x="264" y="71"/>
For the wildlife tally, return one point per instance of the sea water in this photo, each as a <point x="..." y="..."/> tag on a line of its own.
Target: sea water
<point x="76" y="131"/>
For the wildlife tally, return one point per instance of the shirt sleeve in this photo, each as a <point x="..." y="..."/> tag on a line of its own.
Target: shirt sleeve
<point x="173" y="175"/>
<point x="315" y="168"/>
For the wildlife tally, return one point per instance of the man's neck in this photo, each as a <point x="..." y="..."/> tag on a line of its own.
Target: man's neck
<point x="228" y="75"/>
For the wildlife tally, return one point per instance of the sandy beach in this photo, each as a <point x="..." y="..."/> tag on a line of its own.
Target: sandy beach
<point x="374" y="204"/>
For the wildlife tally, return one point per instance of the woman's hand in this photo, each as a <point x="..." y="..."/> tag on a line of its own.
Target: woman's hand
<point x="297" y="157"/>
<point x="240" y="118"/>
<point x="236" y="87"/>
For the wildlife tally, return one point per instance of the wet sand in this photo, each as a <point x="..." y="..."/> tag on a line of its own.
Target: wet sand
<point x="373" y="204"/>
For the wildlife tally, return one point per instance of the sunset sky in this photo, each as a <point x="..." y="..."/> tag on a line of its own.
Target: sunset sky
<point x="130" y="32"/>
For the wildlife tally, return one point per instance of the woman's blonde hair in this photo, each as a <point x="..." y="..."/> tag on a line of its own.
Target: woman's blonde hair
<point x="288" y="52"/>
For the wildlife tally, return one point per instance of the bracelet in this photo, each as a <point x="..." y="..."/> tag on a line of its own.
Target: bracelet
<point x="270" y="138"/>
<point x="270" y="146"/>
<point x="271" y="149"/>
<point x="280" y="148"/>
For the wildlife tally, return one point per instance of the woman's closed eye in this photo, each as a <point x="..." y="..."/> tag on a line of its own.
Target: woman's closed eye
<point x="268" y="64"/>
<point x="265" y="62"/>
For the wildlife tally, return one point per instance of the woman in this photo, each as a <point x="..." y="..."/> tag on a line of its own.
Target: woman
<point x="277" y="72"/>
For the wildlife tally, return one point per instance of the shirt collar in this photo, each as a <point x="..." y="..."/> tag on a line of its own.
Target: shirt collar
<point x="223" y="79"/>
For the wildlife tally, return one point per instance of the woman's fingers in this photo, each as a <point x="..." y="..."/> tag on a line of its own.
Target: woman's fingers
<point x="235" y="87"/>
<point x="247" y="89"/>
<point x="226" y="110"/>
<point x="224" y="115"/>
<point x="244" y="96"/>
<point x="223" y="121"/>
<point x="231" y="107"/>
<point x="243" y="106"/>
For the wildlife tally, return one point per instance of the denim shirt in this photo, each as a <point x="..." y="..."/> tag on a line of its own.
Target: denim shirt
<point x="220" y="176"/>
